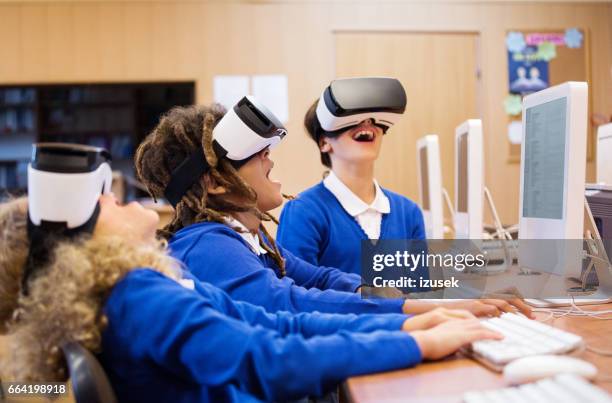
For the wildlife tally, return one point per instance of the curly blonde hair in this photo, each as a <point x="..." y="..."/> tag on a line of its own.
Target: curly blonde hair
<point x="65" y="301"/>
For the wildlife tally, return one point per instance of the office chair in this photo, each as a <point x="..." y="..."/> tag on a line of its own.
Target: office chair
<point x="89" y="382"/>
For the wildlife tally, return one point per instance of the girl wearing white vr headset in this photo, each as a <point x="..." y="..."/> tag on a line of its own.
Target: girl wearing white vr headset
<point x="326" y="223"/>
<point x="215" y="169"/>
<point x="102" y="280"/>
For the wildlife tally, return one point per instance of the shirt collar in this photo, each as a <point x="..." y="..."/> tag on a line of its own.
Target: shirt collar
<point x="251" y="239"/>
<point x="351" y="202"/>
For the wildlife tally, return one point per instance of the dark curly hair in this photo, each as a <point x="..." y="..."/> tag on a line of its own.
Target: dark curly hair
<point x="180" y="133"/>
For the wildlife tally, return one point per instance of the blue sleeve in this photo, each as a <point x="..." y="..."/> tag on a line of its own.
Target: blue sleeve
<point x="226" y="262"/>
<point x="308" y="275"/>
<point x="194" y="341"/>
<point x="301" y="230"/>
<point x="306" y="324"/>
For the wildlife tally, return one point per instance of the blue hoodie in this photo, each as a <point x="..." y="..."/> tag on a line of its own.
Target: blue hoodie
<point x="168" y="343"/>
<point x="217" y="254"/>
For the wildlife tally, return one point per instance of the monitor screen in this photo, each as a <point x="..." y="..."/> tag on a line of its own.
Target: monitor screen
<point x="462" y="171"/>
<point x="544" y="168"/>
<point x="424" y="178"/>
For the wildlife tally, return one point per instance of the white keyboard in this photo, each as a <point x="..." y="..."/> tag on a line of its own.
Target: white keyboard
<point x="523" y="337"/>
<point x="564" y="388"/>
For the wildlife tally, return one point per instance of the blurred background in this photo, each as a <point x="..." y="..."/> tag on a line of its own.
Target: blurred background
<point x="102" y="72"/>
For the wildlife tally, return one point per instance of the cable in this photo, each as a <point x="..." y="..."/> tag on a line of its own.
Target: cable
<point x="590" y="314"/>
<point x="547" y="319"/>
<point x="497" y="222"/>
<point x="449" y="205"/>
<point x="581" y="312"/>
<point x="572" y="312"/>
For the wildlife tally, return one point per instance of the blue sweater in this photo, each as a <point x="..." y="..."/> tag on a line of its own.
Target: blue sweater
<point x="315" y="227"/>
<point x="217" y="254"/>
<point x="167" y="343"/>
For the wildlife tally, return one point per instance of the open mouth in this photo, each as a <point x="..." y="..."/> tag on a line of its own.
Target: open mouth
<point x="272" y="180"/>
<point x="364" y="136"/>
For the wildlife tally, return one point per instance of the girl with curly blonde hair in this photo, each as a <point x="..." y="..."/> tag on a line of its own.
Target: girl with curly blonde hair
<point x="161" y="335"/>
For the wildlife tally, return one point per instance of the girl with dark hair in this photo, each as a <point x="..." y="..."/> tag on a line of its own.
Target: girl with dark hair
<point x="326" y="223"/>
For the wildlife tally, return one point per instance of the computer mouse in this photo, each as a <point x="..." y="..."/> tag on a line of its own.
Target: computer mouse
<point x="535" y="367"/>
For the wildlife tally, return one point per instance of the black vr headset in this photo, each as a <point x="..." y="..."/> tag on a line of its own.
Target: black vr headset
<point x="245" y="130"/>
<point x="65" y="182"/>
<point x="346" y="103"/>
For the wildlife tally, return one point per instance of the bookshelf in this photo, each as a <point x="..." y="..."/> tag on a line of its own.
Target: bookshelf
<point x="116" y="116"/>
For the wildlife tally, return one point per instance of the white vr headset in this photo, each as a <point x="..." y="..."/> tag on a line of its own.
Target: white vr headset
<point x="345" y="103"/>
<point x="246" y="129"/>
<point x="65" y="182"/>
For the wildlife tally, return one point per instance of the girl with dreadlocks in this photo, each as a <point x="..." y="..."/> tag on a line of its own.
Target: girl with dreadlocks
<point x="102" y="280"/>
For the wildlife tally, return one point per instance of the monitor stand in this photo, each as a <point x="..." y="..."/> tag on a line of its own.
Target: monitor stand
<point x="598" y="261"/>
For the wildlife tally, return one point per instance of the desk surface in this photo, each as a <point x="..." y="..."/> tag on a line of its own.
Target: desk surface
<point x="447" y="380"/>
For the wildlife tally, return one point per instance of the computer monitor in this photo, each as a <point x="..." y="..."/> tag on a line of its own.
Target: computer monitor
<point x="553" y="165"/>
<point x="469" y="187"/>
<point x="430" y="185"/>
<point x="604" y="154"/>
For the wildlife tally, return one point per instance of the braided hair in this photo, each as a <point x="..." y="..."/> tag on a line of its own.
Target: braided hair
<point x="181" y="132"/>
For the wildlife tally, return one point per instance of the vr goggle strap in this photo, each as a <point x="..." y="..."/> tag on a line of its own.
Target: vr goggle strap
<point x="191" y="170"/>
<point x="44" y="237"/>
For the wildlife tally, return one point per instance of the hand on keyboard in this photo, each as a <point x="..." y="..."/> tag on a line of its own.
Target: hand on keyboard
<point x="433" y="318"/>
<point x="448" y="337"/>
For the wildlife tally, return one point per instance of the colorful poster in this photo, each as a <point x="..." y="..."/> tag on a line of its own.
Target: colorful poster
<point x="529" y="55"/>
<point x="527" y="71"/>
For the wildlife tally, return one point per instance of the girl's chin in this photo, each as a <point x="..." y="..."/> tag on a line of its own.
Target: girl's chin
<point x="362" y="157"/>
<point x="271" y="204"/>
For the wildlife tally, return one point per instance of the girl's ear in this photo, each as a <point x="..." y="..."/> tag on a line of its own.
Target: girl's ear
<point x="212" y="187"/>
<point x="324" y="145"/>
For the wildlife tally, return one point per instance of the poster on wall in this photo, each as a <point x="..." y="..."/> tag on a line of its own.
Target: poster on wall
<point x="538" y="59"/>
<point x="527" y="71"/>
<point x="529" y="55"/>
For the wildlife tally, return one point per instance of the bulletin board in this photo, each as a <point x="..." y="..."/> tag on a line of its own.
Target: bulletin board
<point x="538" y="59"/>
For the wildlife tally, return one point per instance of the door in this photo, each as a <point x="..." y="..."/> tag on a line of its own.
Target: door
<point x="439" y="73"/>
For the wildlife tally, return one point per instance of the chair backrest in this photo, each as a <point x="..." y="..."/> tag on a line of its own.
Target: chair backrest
<point x="89" y="382"/>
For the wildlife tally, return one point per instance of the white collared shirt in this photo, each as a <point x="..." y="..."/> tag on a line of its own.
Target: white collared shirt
<point x="369" y="216"/>
<point x="251" y="239"/>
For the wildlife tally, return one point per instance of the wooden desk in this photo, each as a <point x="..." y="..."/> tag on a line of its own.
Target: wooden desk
<point x="446" y="381"/>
